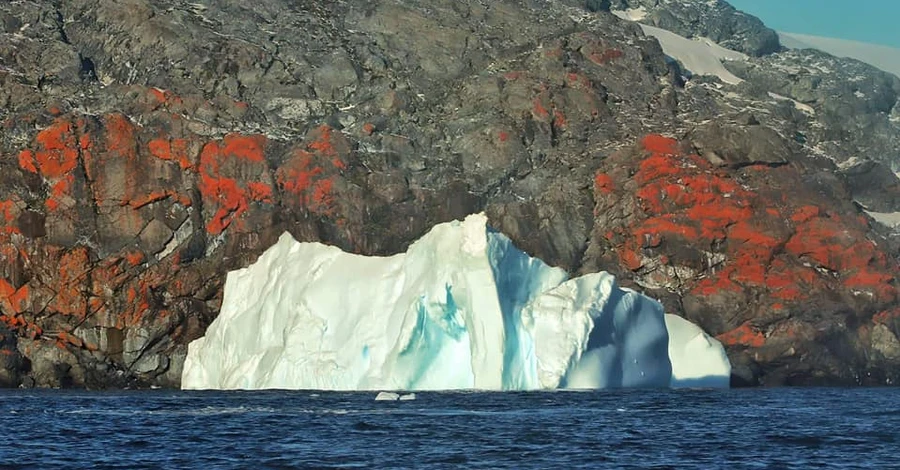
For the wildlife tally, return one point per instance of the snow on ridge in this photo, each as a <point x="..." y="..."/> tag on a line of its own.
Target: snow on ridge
<point x="883" y="57"/>
<point x="631" y="14"/>
<point x="699" y="56"/>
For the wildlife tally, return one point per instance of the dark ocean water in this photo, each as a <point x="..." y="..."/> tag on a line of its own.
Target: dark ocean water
<point x="752" y="429"/>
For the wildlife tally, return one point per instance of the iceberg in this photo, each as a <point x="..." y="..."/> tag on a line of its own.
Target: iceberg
<point x="462" y="308"/>
<point x="698" y="360"/>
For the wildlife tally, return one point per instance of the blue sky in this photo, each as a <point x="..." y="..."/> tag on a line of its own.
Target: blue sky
<point x="875" y="21"/>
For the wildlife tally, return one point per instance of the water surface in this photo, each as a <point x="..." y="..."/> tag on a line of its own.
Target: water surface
<point x="741" y="429"/>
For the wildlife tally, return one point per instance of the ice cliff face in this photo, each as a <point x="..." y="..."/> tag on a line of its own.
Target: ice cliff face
<point x="462" y="308"/>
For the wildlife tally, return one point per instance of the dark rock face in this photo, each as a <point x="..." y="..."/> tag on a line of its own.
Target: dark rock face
<point x="150" y="146"/>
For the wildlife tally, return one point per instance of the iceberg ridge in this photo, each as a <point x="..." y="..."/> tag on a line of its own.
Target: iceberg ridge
<point x="462" y="309"/>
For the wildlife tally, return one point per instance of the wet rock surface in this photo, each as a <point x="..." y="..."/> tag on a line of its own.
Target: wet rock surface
<point x="150" y="146"/>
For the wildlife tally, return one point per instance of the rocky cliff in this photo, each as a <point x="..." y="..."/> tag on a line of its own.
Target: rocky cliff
<point x="149" y="146"/>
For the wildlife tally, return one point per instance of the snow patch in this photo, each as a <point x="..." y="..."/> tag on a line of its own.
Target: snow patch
<point x="804" y="108"/>
<point x="884" y="57"/>
<point x="462" y="309"/>
<point x="631" y="14"/>
<point x="699" y="56"/>
<point x="888" y="219"/>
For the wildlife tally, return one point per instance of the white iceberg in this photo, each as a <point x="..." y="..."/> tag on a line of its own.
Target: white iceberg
<point x="698" y="360"/>
<point x="461" y="309"/>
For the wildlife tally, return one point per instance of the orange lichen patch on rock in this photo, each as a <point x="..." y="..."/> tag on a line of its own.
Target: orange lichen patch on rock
<point x="158" y="94"/>
<point x="656" y="143"/>
<point x="789" y="283"/>
<point x="744" y="335"/>
<point x="134" y="258"/>
<point x="559" y="119"/>
<point x="828" y="242"/>
<point x="604" y="183"/>
<point x="260" y="191"/>
<point x="154" y="196"/>
<point x="368" y="128"/>
<point x="650" y="230"/>
<point x="539" y="111"/>
<point x="503" y="136"/>
<point x="59" y="191"/>
<point x="887" y="316"/>
<point x="250" y="148"/>
<point x="718" y="282"/>
<point x="578" y="81"/>
<point x="26" y="161"/>
<point x="73" y="268"/>
<point x="9" y="212"/>
<point x="298" y="175"/>
<point x="306" y="175"/>
<point x="120" y="136"/>
<point x="69" y="338"/>
<point x="304" y="179"/>
<point x="163" y="97"/>
<point x="601" y="56"/>
<point x="12" y="299"/>
<point x="804" y="214"/>
<point x="233" y="197"/>
<point x="55" y="152"/>
<point x="171" y="150"/>
<point x="630" y="259"/>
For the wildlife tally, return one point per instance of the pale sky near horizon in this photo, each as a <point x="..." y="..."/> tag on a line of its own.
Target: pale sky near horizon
<point x="874" y="21"/>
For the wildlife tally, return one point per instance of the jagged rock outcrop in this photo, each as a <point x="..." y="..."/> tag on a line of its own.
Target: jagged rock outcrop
<point x="150" y="146"/>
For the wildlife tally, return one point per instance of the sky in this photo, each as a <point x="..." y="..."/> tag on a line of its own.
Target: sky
<point x="874" y="21"/>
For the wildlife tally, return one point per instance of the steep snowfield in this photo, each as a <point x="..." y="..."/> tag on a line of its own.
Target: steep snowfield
<point x="884" y="57"/>
<point x="462" y="308"/>
<point x="698" y="56"/>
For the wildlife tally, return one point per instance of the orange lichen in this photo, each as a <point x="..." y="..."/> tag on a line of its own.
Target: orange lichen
<point x="26" y="161"/>
<point x="559" y="119"/>
<point x="233" y="197"/>
<point x="604" y="183"/>
<point x="658" y="144"/>
<point x="171" y="150"/>
<point x="805" y="213"/>
<point x="688" y="203"/>
<point x="12" y="299"/>
<point x="73" y="268"/>
<point x="120" y="136"/>
<point x="600" y="56"/>
<point x="578" y="81"/>
<point x="744" y="335"/>
<point x="887" y="316"/>
<point x="56" y="152"/>
<point x="134" y="258"/>
<point x="539" y="111"/>
<point x="8" y="215"/>
<point x="250" y="148"/>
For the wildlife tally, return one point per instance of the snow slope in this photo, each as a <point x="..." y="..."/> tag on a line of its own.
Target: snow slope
<point x="884" y="57"/>
<point x="699" y="56"/>
<point x="462" y="308"/>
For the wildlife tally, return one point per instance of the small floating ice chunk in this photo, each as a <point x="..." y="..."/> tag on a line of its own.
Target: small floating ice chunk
<point x="388" y="396"/>
<point x="408" y="397"/>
